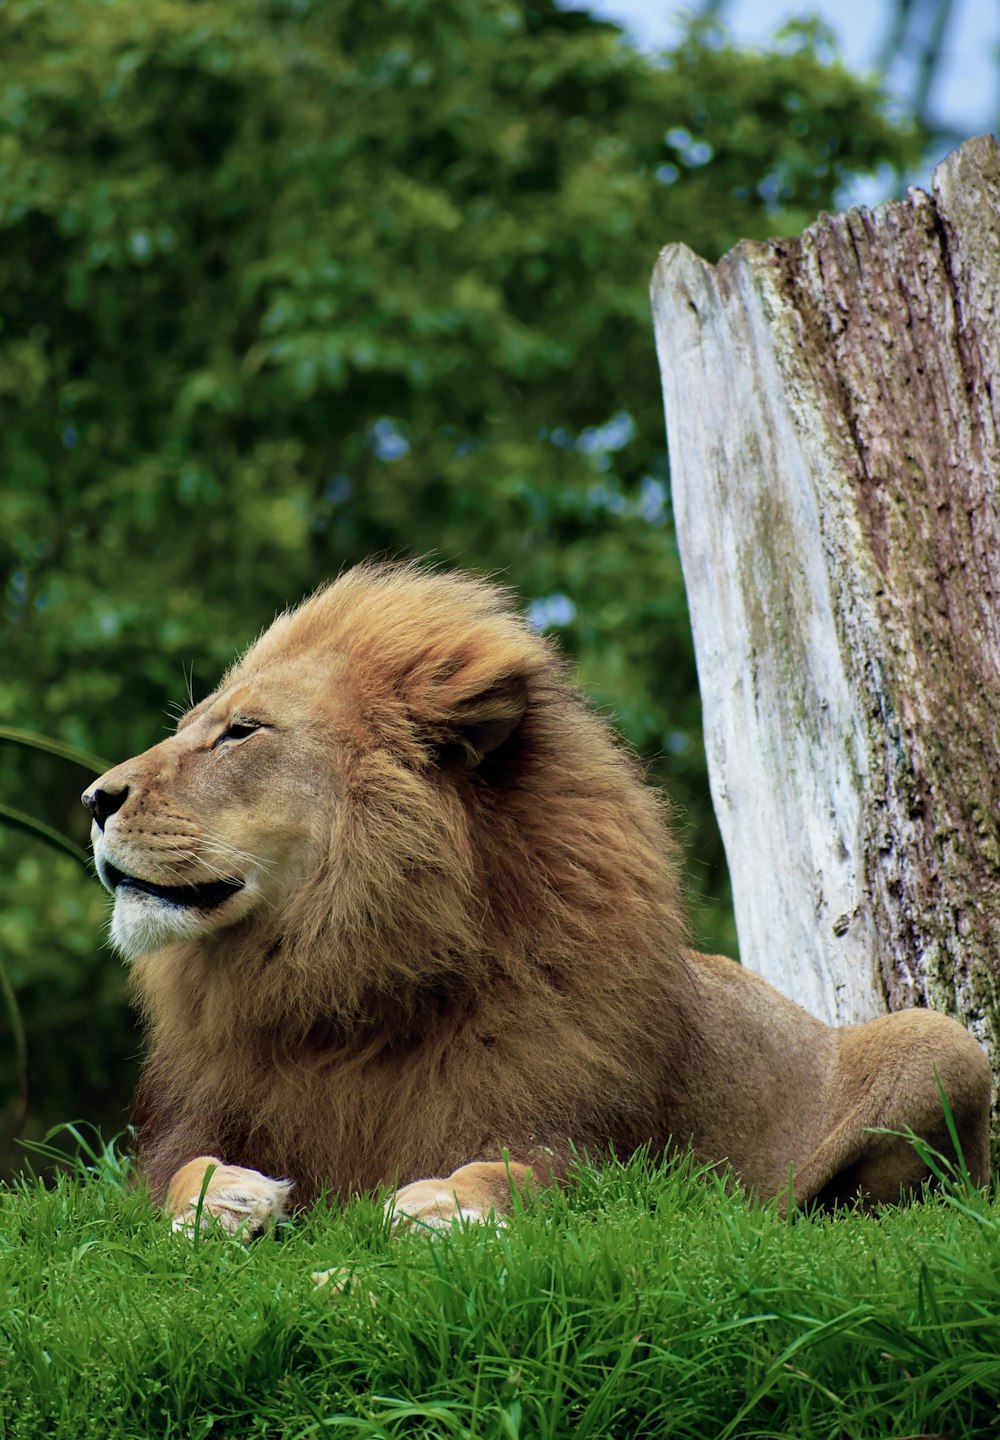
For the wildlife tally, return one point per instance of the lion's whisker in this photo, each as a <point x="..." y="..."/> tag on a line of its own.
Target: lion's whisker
<point x="226" y="851"/>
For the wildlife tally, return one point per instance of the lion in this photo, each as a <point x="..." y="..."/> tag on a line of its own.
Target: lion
<point x="403" y="914"/>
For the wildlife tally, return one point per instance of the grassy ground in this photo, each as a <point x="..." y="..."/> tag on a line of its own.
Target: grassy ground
<point x="646" y="1302"/>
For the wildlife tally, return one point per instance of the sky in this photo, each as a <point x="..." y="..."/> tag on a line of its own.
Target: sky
<point x="967" y="95"/>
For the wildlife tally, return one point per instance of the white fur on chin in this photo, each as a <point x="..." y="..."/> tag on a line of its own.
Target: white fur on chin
<point x="142" y="922"/>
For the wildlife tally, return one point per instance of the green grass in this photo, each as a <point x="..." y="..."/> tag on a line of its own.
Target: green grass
<point x="644" y="1302"/>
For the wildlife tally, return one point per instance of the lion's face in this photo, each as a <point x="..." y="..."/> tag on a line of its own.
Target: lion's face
<point x="333" y="780"/>
<point x="217" y="823"/>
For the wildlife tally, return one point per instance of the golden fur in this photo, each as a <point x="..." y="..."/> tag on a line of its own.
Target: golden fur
<point x="452" y="928"/>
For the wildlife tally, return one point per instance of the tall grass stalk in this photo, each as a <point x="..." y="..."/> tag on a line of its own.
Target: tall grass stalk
<point x="40" y="829"/>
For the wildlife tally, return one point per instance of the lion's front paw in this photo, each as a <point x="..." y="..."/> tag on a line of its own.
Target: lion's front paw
<point x="242" y="1201"/>
<point x="432" y="1205"/>
<point x="480" y="1191"/>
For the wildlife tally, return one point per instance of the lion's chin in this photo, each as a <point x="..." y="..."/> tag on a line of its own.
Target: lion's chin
<point x="142" y="922"/>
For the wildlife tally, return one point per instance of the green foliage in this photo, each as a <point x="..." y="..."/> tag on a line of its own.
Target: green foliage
<point x="646" y="1301"/>
<point x="288" y="282"/>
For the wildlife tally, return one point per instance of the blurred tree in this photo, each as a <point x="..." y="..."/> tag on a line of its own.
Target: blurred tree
<point x="911" y="57"/>
<point x="287" y="282"/>
<point x="915" y="42"/>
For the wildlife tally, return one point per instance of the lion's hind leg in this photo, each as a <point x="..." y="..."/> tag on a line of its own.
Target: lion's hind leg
<point x="887" y="1084"/>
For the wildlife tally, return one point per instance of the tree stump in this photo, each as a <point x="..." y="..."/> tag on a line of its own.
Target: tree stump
<point x="832" y="412"/>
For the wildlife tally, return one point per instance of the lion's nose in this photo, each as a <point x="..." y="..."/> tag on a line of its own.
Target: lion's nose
<point x="104" y="803"/>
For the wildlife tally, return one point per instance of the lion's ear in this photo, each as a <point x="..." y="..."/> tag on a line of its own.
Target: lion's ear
<point x="481" y="723"/>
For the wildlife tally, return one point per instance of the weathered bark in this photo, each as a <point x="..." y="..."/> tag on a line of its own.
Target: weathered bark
<point x="833" y="427"/>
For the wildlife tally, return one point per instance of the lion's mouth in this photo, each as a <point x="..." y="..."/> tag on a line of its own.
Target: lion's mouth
<point x="204" y="897"/>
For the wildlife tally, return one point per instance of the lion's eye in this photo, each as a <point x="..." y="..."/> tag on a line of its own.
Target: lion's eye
<point x="238" y="730"/>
